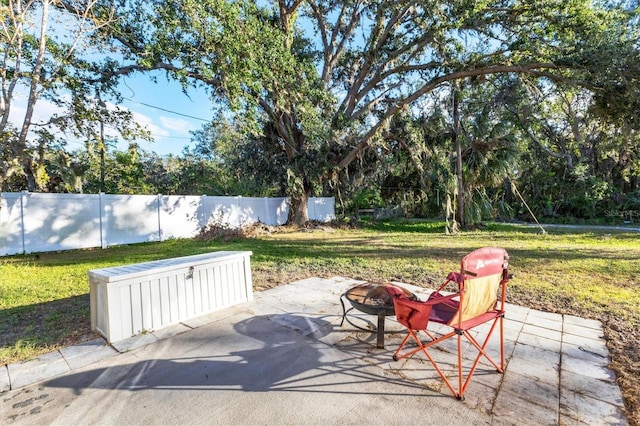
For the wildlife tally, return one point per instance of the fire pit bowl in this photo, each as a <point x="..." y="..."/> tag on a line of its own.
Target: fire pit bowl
<point x="372" y="299"/>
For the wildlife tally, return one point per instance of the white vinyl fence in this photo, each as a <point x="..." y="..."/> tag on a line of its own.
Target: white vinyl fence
<point x="39" y="222"/>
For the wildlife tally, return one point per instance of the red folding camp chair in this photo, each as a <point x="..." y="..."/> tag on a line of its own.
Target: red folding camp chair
<point x="480" y="284"/>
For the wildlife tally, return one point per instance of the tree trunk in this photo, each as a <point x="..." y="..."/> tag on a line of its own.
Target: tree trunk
<point x="299" y="208"/>
<point x="21" y="143"/>
<point x="456" y="140"/>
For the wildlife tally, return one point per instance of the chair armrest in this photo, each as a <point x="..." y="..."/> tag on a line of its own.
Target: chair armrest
<point x="437" y="298"/>
<point x="455" y="276"/>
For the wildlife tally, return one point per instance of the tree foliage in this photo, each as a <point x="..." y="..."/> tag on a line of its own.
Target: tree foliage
<point x="45" y="49"/>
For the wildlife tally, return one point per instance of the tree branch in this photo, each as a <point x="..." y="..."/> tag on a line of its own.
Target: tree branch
<point x="401" y="103"/>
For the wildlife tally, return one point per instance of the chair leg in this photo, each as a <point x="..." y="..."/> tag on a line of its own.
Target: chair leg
<point x="423" y="347"/>
<point x="462" y="381"/>
<point x="482" y="353"/>
<point x="411" y="334"/>
<point x="501" y="370"/>
<point x="460" y="394"/>
<point x="416" y="338"/>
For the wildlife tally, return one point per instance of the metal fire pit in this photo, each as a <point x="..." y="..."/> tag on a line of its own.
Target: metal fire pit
<point x="372" y="299"/>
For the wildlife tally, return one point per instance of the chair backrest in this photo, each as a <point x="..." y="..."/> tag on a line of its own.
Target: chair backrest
<point x="482" y="271"/>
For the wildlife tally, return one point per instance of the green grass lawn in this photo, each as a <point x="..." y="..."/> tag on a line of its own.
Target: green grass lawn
<point x="44" y="300"/>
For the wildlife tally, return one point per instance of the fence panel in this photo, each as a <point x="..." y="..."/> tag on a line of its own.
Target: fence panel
<point x="60" y="221"/>
<point x="130" y="219"/>
<point x="252" y="210"/>
<point x="181" y="216"/>
<point x="11" y="231"/>
<point x="220" y="210"/>
<point x="40" y="222"/>
<point x="278" y="209"/>
<point x="322" y="209"/>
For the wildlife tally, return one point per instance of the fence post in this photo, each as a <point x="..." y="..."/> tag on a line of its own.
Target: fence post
<point x="103" y="239"/>
<point x="159" y="197"/>
<point x="237" y="213"/>
<point x="203" y="219"/>
<point x="22" y="225"/>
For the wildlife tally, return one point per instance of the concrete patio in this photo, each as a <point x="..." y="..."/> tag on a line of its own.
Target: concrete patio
<point x="284" y="359"/>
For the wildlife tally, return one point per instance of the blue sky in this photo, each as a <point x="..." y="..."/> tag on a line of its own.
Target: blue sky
<point x="165" y="110"/>
<point x="161" y="107"/>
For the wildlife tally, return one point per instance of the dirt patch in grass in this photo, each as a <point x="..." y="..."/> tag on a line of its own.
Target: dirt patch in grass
<point x="624" y="347"/>
<point x="224" y="232"/>
<point x="45" y="327"/>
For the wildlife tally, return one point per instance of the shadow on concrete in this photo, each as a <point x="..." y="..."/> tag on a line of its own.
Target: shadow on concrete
<point x="260" y="354"/>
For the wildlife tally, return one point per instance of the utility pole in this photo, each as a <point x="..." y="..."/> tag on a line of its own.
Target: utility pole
<point x="101" y="156"/>
<point x="456" y="140"/>
<point x="102" y="145"/>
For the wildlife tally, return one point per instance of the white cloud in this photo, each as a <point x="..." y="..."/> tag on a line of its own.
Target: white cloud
<point x="149" y="124"/>
<point x="177" y="124"/>
<point x="42" y="111"/>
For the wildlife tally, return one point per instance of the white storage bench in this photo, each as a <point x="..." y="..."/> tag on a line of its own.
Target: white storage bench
<point x="131" y="299"/>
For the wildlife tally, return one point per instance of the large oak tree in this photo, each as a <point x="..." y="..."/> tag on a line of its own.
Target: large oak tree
<point x="326" y="77"/>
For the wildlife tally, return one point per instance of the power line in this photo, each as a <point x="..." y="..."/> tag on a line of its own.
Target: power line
<point x="170" y="137"/>
<point x="155" y="136"/>
<point x="167" y="110"/>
